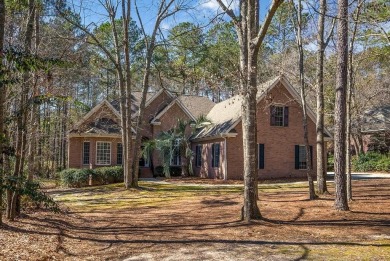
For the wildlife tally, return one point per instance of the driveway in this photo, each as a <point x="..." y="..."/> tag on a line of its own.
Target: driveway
<point x="362" y="175"/>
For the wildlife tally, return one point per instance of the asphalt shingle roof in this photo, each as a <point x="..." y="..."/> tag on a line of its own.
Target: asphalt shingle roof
<point x="196" y="105"/>
<point x="225" y="114"/>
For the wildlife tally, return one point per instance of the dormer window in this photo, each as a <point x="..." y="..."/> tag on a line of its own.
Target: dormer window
<point x="279" y="116"/>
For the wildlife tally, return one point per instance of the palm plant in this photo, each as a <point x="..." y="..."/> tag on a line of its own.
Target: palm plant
<point x="178" y="138"/>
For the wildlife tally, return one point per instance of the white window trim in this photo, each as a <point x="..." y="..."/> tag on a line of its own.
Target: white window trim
<point x="280" y="106"/>
<point x="82" y="155"/>
<point x="96" y="159"/>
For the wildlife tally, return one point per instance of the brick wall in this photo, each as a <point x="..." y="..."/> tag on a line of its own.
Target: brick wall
<point x="168" y="121"/>
<point x="206" y="170"/>
<point x="76" y="149"/>
<point x="279" y="142"/>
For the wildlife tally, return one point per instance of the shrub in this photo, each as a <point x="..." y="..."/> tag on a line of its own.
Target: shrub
<point x="371" y="161"/>
<point x="175" y="171"/>
<point x="75" y="177"/>
<point x="383" y="164"/>
<point x="330" y="163"/>
<point x="33" y="196"/>
<point x="158" y="171"/>
<point x="108" y="175"/>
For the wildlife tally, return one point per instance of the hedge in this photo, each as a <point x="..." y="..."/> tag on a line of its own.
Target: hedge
<point x="75" y="177"/>
<point x="80" y="177"/>
<point x="108" y="175"/>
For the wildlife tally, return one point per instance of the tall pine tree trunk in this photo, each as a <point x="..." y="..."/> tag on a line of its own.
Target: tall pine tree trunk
<point x="341" y="202"/>
<point x="349" y="99"/>
<point x="21" y="138"/>
<point x="251" y="36"/>
<point x="320" y="145"/>
<point x="2" y="107"/>
<point x="312" y="194"/>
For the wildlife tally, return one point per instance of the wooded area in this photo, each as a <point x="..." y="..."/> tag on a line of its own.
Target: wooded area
<point x="61" y="58"/>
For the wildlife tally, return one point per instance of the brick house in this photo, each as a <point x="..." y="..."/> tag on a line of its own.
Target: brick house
<point x="375" y="129"/>
<point x="95" y="139"/>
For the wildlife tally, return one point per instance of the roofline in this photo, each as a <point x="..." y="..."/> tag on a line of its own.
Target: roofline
<point x="374" y="131"/>
<point x="218" y="136"/>
<point x="95" y="109"/>
<point x="178" y="102"/>
<point x="107" y="135"/>
<point x="293" y="92"/>
<point x="93" y="135"/>
<point x="156" y="95"/>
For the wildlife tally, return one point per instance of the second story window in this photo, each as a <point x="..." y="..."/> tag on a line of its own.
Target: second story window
<point x="279" y="116"/>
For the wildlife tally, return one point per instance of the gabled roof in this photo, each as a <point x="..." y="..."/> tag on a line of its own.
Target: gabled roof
<point x="94" y="110"/>
<point x="136" y="101"/>
<point x="193" y="106"/>
<point x="103" y="125"/>
<point x="99" y="126"/>
<point x="227" y="114"/>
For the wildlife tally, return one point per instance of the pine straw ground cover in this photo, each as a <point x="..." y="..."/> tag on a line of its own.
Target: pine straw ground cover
<point x="179" y="221"/>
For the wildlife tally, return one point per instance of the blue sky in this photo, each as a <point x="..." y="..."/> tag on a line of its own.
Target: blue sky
<point x="201" y="11"/>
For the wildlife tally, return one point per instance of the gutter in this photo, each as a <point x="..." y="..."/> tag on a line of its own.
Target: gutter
<point x="218" y="136"/>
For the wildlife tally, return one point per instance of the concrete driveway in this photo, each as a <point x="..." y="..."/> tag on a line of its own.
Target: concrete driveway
<point x="362" y="175"/>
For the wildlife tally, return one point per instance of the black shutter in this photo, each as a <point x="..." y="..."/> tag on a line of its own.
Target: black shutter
<point x="217" y="153"/>
<point x="119" y="154"/>
<point x="296" y="156"/>
<point x="212" y="155"/>
<point x="261" y="156"/>
<point x="272" y="115"/>
<point x="285" y="120"/>
<point x="311" y="156"/>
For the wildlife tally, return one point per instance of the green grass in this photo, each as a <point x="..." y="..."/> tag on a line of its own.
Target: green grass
<point x="150" y="194"/>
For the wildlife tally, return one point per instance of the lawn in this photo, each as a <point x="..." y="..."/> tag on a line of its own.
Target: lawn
<point x="185" y="221"/>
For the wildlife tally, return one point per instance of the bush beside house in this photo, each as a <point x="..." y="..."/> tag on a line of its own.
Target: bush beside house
<point x="77" y="178"/>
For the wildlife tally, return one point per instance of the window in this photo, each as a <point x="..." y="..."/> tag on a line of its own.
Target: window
<point x="175" y="159"/>
<point x="143" y="162"/>
<point x="103" y="153"/>
<point x="300" y="156"/>
<point x="86" y="151"/>
<point x="261" y="156"/>
<point x="198" y="155"/>
<point x="215" y="150"/>
<point x="119" y="154"/>
<point x="279" y="116"/>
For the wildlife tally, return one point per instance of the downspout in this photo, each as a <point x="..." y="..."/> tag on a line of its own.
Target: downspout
<point x="225" y="162"/>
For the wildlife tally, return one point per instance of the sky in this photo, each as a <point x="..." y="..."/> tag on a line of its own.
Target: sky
<point x="201" y="12"/>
